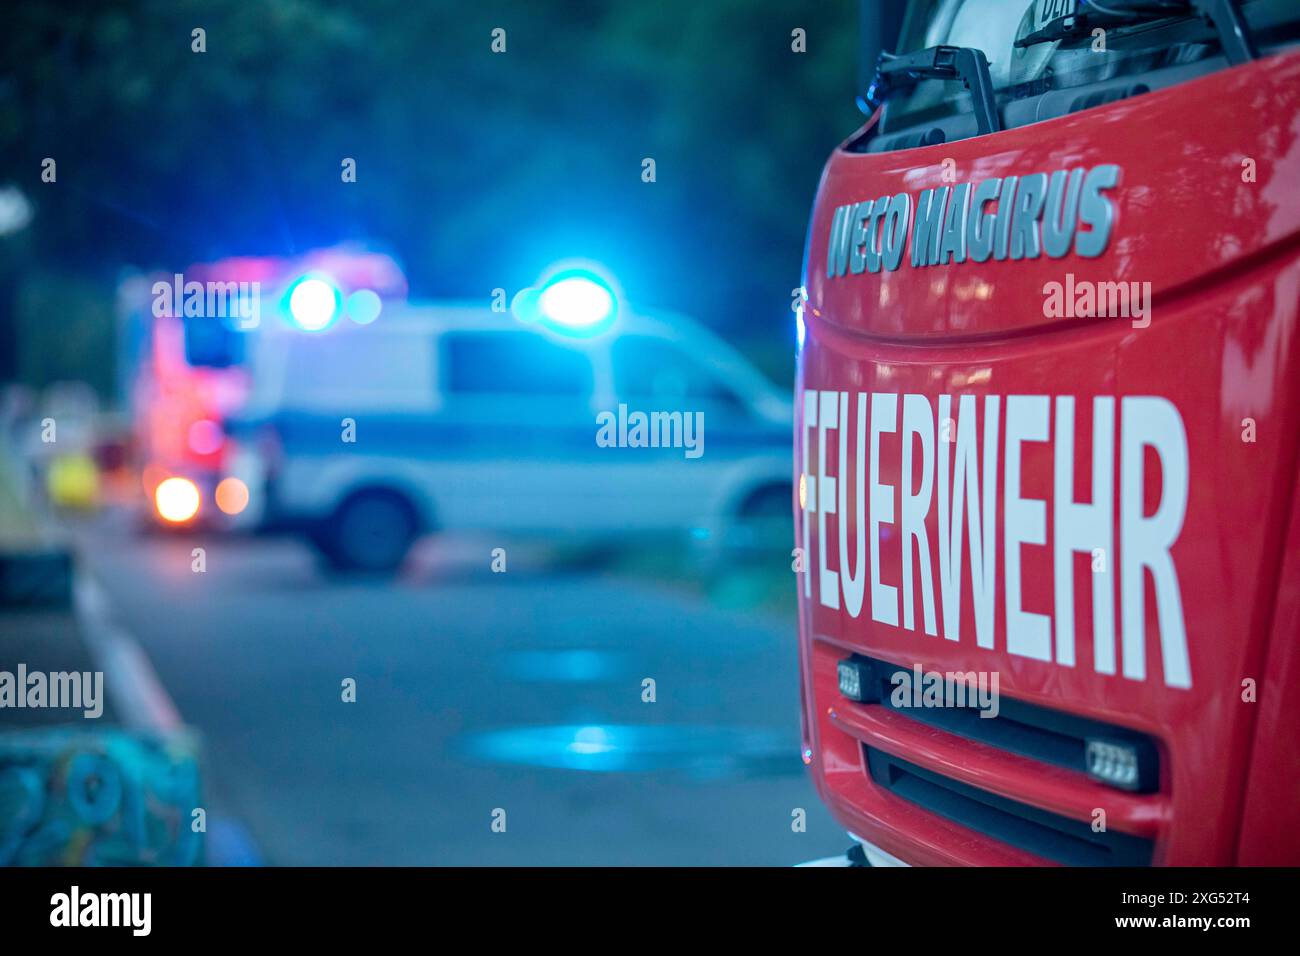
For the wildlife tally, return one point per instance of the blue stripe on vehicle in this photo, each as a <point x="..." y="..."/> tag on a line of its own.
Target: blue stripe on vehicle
<point x="435" y="437"/>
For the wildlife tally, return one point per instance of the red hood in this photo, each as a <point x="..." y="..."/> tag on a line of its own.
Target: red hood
<point x="1206" y="210"/>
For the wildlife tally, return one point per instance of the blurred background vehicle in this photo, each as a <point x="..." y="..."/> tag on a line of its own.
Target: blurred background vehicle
<point x="454" y="417"/>
<point x="184" y="371"/>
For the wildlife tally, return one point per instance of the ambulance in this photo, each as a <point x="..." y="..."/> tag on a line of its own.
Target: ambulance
<point x="569" y="416"/>
<point x="1046" y="433"/>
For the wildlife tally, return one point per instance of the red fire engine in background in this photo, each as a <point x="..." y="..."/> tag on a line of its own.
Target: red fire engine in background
<point x="186" y="351"/>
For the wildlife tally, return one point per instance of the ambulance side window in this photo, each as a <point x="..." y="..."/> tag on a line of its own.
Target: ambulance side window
<point x="514" y="364"/>
<point x="651" y="374"/>
<point x="380" y="370"/>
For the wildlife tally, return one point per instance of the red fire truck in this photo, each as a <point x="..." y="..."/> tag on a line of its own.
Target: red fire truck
<point x="185" y="339"/>
<point x="1047" y="424"/>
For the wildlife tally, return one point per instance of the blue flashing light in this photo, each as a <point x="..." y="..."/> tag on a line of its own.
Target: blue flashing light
<point x="364" y="306"/>
<point x="313" y="303"/>
<point x="575" y="302"/>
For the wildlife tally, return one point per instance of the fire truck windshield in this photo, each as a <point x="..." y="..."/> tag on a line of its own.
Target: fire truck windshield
<point x="1041" y="46"/>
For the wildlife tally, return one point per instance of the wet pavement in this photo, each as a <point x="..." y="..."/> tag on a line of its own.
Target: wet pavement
<point x="483" y="700"/>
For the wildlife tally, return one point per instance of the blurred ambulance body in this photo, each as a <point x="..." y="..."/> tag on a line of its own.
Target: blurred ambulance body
<point x="455" y="417"/>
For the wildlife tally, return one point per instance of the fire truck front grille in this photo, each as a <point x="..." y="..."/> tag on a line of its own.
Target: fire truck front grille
<point x="1054" y="785"/>
<point x="1040" y="733"/>
<point x="1036" y="831"/>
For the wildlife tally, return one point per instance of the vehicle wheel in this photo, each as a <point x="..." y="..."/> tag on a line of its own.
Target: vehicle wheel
<point x="371" y="531"/>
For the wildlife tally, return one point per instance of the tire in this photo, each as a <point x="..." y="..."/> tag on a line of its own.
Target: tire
<point x="372" y="531"/>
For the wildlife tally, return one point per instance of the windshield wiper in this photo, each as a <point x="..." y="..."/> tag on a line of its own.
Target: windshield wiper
<point x="964" y="63"/>
<point x="1224" y="15"/>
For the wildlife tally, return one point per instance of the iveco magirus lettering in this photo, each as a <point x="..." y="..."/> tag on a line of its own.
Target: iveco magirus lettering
<point x="1012" y="217"/>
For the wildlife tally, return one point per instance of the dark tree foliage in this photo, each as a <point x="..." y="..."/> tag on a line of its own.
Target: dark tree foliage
<point x="476" y="169"/>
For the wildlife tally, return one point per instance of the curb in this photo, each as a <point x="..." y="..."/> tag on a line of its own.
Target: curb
<point x="143" y="704"/>
<point x="138" y="695"/>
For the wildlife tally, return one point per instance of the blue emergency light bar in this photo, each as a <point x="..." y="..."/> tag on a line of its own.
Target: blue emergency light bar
<point x="313" y="303"/>
<point x="576" y="302"/>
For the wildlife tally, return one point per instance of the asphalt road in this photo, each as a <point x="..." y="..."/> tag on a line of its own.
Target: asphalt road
<point x="476" y="692"/>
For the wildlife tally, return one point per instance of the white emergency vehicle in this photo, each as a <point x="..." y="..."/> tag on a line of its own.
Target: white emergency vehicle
<point x="448" y="417"/>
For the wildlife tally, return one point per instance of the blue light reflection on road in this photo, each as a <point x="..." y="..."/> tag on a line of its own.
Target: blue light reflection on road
<point x="630" y="747"/>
